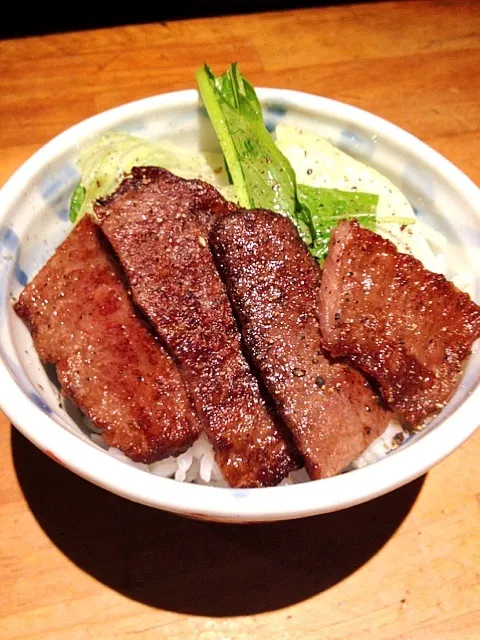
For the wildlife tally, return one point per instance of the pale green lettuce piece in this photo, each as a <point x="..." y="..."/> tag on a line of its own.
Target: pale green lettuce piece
<point x="104" y="163"/>
<point x="318" y="163"/>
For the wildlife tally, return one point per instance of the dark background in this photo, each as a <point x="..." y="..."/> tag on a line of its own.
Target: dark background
<point x="46" y="18"/>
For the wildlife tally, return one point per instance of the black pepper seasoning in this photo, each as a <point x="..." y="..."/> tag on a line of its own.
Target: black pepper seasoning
<point x="320" y="382"/>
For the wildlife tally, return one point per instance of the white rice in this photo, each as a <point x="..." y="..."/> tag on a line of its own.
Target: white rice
<point x="197" y="464"/>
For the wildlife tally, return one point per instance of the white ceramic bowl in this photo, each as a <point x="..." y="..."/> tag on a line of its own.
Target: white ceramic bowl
<point x="34" y="220"/>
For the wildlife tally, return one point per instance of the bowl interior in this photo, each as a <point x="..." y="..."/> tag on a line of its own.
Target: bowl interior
<point x="34" y="212"/>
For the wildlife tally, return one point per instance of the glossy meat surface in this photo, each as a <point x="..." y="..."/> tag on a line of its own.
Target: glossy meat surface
<point x="82" y="320"/>
<point x="407" y="327"/>
<point x="158" y="225"/>
<point x="273" y="283"/>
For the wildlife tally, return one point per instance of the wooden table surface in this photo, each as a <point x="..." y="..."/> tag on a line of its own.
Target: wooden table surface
<point x="77" y="562"/>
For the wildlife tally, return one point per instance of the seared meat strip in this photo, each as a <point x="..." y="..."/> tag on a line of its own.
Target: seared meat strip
<point x="408" y="328"/>
<point x="82" y="320"/>
<point x="158" y="224"/>
<point x="273" y="282"/>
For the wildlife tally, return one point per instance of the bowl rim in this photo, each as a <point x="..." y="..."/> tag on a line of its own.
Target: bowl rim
<point x="230" y="504"/>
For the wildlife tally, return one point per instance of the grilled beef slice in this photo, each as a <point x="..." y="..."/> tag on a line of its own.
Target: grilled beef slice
<point x="273" y="284"/>
<point x="407" y="327"/>
<point x="82" y="320"/>
<point x="158" y="225"/>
